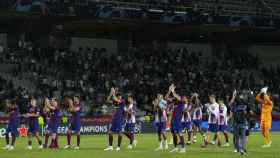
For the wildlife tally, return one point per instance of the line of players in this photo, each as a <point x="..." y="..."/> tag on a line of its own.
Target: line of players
<point x="186" y="115"/>
<point x="51" y="113"/>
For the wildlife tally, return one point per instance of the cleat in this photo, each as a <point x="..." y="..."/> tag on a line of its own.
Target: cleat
<point x="110" y="148"/>
<point x="226" y="145"/>
<point x="67" y="146"/>
<point x="183" y="150"/>
<point x="135" y="143"/>
<point x="158" y="149"/>
<point x="6" y="147"/>
<point x="29" y="147"/>
<point x="11" y="148"/>
<point x="266" y="146"/>
<point x="213" y="142"/>
<point x="40" y="147"/>
<point x="189" y="143"/>
<point x="235" y="151"/>
<point x="129" y="147"/>
<point x="118" y="149"/>
<point x="242" y="152"/>
<point x="174" y="150"/>
<point x="76" y="148"/>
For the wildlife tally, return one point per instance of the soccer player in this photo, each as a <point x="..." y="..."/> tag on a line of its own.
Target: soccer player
<point x="160" y="106"/>
<point x="176" y="121"/>
<point x="33" y="124"/>
<point x="118" y="118"/>
<point x="53" y="123"/>
<point x="130" y="122"/>
<point x="213" y="113"/>
<point x="197" y="116"/>
<point x="187" y="120"/>
<point x="75" y="121"/>
<point x="265" y="100"/>
<point x="239" y="112"/>
<point x="223" y="121"/>
<point x="13" y="112"/>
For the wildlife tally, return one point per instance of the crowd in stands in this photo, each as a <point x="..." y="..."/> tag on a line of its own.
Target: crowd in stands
<point x="91" y="72"/>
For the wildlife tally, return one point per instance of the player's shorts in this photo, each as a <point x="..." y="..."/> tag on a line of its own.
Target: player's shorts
<point x="176" y="127"/>
<point x="213" y="128"/>
<point x="117" y="126"/>
<point x="197" y="123"/>
<point x="130" y="127"/>
<point x="223" y="128"/>
<point x="11" y="128"/>
<point x="75" y="126"/>
<point x="161" y="127"/>
<point x="33" y="128"/>
<point x="52" y="127"/>
<point x="187" y="125"/>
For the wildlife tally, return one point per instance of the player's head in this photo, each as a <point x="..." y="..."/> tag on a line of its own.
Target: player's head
<point x="212" y="99"/>
<point x="130" y="99"/>
<point x="33" y="102"/>
<point x="46" y="101"/>
<point x="54" y="102"/>
<point x="69" y="102"/>
<point x="184" y="99"/>
<point x="76" y="100"/>
<point x="221" y="102"/>
<point x="159" y="96"/>
<point x="8" y="103"/>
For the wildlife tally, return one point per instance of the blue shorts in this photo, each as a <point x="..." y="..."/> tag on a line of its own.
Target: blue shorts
<point x="117" y="126"/>
<point x="33" y="128"/>
<point x="187" y="125"/>
<point x="161" y="127"/>
<point x="130" y="127"/>
<point x="213" y="128"/>
<point x="11" y="128"/>
<point x="223" y="128"/>
<point x="197" y="123"/>
<point x="75" y="126"/>
<point x="176" y="127"/>
<point x="52" y="127"/>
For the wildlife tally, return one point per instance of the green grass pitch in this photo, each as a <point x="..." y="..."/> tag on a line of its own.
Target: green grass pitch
<point x="92" y="147"/>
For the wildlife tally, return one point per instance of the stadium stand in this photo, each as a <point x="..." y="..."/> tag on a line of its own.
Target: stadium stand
<point x="48" y="72"/>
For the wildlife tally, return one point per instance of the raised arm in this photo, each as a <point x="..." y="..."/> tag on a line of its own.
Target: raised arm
<point x="233" y="98"/>
<point x="178" y="97"/>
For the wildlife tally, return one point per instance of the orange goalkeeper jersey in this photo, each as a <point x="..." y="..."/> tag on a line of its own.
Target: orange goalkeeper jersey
<point x="267" y="106"/>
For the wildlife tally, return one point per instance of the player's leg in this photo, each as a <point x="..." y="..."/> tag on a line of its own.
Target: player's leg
<point x="47" y="135"/>
<point x="195" y="129"/>
<point x="175" y="141"/>
<point x="7" y="138"/>
<point x="159" y="134"/>
<point x="13" y="140"/>
<point x="37" y="135"/>
<point x="68" y="133"/>
<point x="110" y="141"/>
<point x="119" y="141"/>
<point x="78" y="133"/>
<point x="226" y="134"/>
<point x="189" y="136"/>
<point x="29" y="141"/>
<point x="165" y="143"/>
<point x="266" y="134"/>
<point x="242" y="140"/>
<point x="182" y="142"/>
